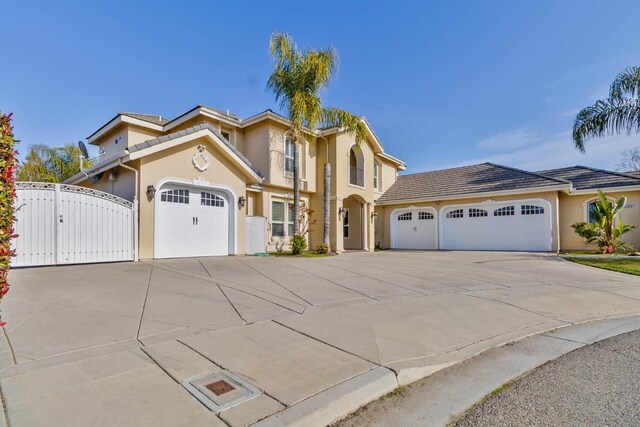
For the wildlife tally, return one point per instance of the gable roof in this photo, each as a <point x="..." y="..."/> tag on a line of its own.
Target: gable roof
<point x="587" y="178"/>
<point x="151" y="118"/>
<point x="189" y="131"/>
<point x="480" y="178"/>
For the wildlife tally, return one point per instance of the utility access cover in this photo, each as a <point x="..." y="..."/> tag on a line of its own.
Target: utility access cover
<point x="220" y="391"/>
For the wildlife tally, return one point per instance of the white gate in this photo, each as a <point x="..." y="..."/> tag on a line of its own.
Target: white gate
<point x="255" y="235"/>
<point x="66" y="224"/>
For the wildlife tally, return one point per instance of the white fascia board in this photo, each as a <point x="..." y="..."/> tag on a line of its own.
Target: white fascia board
<point x="486" y="194"/>
<point x="264" y="116"/>
<point x="201" y="133"/>
<point x="121" y="119"/>
<point x="392" y="159"/>
<point x="606" y="190"/>
<point x="200" y="111"/>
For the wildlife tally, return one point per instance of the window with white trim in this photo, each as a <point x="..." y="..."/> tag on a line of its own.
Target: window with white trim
<point x="531" y="210"/>
<point x="281" y="218"/>
<point x="226" y="135"/>
<point x="208" y="199"/>
<point x="407" y="216"/>
<point x="288" y="154"/>
<point x="477" y="213"/>
<point x="425" y="215"/>
<point x="376" y="170"/>
<point x="505" y="211"/>
<point x="175" y="196"/>
<point x="457" y="213"/>
<point x="592" y="212"/>
<point x="277" y="218"/>
<point x="345" y="224"/>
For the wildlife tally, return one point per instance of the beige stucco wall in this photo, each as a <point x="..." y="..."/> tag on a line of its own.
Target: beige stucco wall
<point x="123" y="186"/>
<point x="176" y="162"/>
<point x="573" y="209"/>
<point x="383" y="236"/>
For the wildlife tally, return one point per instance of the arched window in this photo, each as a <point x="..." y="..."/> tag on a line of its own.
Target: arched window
<point x="356" y="166"/>
<point x="591" y="212"/>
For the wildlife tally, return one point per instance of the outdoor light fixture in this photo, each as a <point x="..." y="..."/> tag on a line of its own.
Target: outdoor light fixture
<point x="374" y="215"/>
<point x="241" y="202"/>
<point x="341" y="213"/>
<point x="151" y="191"/>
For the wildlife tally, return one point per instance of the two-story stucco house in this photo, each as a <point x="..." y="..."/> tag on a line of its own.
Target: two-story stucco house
<point x="201" y="179"/>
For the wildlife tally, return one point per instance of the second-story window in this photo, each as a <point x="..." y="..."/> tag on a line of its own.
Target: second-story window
<point x="356" y="167"/>
<point x="226" y="135"/>
<point x="376" y="167"/>
<point x="288" y="154"/>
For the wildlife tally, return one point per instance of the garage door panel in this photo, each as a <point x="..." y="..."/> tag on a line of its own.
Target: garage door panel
<point x="511" y="225"/>
<point x="414" y="229"/>
<point x="192" y="222"/>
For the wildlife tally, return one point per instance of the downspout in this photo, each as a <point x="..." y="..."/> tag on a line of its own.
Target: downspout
<point x="136" y="191"/>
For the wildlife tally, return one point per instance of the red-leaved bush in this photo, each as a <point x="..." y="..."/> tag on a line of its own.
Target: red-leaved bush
<point x="8" y="166"/>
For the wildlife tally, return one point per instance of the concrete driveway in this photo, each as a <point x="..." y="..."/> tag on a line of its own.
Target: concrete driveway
<point x="109" y="344"/>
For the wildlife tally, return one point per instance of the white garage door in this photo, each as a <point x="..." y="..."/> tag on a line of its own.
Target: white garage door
<point x="414" y="229"/>
<point x="504" y="226"/>
<point x="192" y="222"/>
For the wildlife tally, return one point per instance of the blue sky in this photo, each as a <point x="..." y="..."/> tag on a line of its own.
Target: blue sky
<point x="444" y="83"/>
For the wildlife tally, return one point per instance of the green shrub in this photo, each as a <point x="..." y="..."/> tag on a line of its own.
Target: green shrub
<point x="298" y="244"/>
<point x="322" y="249"/>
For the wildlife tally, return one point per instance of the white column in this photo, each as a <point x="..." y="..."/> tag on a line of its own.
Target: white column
<point x="365" y="226"/>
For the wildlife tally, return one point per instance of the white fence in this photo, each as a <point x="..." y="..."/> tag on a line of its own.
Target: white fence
<point x="255" y="235"/>
<point x="66" y="224"/>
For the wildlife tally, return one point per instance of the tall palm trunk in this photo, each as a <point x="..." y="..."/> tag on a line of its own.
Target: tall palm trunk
<point x="326" y="211"/>
<point x="296" y="185"/>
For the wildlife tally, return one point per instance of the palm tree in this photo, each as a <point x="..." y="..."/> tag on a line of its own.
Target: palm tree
<point x="297" y="79"/>
<point x="607" y="229"/>
<point x="50" y="164"/>
<point x="620" y="112"/>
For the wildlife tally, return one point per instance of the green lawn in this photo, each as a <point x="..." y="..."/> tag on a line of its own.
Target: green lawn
<point x="623" y="265"/>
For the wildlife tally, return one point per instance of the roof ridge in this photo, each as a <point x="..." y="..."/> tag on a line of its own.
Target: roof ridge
<point x="440" y="170"/>
<point x="563" y="181"/>
<point x="623" y="174"/>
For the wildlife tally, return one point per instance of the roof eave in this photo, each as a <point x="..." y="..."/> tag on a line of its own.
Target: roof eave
<point x="559" y="187"/>
<point x="116" y="121"/>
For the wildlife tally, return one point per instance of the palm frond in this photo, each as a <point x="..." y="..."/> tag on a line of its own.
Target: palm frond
<point x="626" y="83"/>
<point x="337" y="117"/>
<point x="606" y="117"/>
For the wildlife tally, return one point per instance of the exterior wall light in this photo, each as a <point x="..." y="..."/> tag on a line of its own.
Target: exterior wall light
<point x="151" y="191"/>
<point x="374" y="215"/>
<point x="242" y="201"/>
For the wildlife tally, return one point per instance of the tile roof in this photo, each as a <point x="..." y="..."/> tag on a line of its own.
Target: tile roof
<point x="481" y="178"/>
<point x="586" y="178"/>
<point x="151" y="118"/>
<point x="188" y="131"/>
<point x="224" y="113"/>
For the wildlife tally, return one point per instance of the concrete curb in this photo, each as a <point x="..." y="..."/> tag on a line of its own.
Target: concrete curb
<point x="336" y="402"/>
<point x="441" y="397"/>
<point x="453" y="387"/>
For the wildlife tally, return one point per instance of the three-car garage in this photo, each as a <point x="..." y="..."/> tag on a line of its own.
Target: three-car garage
<point x="510" y="225"/>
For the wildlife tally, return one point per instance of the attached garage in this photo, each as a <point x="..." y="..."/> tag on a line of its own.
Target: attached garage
<point x="414" y="228"/>
<point x="193" y="221"/>
<point x="513" y="225"/>
<point x="484" y="207"/>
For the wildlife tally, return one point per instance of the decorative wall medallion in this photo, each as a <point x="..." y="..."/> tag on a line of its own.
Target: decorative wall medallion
<point x="201" y="160"/>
